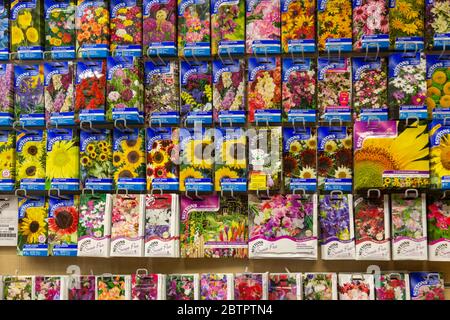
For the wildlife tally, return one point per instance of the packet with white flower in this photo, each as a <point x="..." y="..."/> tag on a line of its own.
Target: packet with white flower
<point x="18" y="288"/>
<point x="50" y="288"/>
<point x="437" y="28"/>
<point x="438" y="85"/>
<point x="438" y="217"/>
<point x="319" y="286"/>
<point x="33" y="227"/>
<point x="356" y="286"/>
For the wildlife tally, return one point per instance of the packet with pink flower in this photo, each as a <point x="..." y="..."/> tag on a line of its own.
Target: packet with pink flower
<point x="251" y="286"/>
<point x="334" y="89"/>
<point x="162" y="225"/>
<point x="372" y="230"/>
<point x="356" y="286"/>
<point x="409" y="226"/>
<point x="263" y="29"/>
<point x="114" y="287"/>
<point x="216" y="286"/>
<point x="127" y="230"/>
<point x="285" y="286"/>
<point x="283" y="226"/>
<point x="299" y="90"/>
<point x="6" y="98"/>
<point x="319" y="286"/>
<point x="334" y="30"/>
<point x="145" y="286"/>
<point x="264" y="90"/>
<point x="336" y="226"/>
<point x="81" y="288"/>
<point x="437" y="33"/>
<point x="298" y="26"/>
<point x="126" y="27"/>
<point x="194" y="36"/>
<point x="182" y="287"/>
<point x="159" y="28"/>
<point x="392" y="286"/>
<point x="427" y="286"/>
<point x="438" y="217"/>
<point x="50" y="288"/>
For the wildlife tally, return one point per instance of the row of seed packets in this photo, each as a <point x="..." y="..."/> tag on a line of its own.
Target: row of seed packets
<point x="226" y="286"/>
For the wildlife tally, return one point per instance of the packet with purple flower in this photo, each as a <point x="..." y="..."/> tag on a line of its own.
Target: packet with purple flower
<point x="427" y="286"/>
<point x="216" y="286"/>
<point x="145" y="286"/>
<point x="182" y="287"/>
<point x="81" y="288"/>
<point x="7" y="96"/>
<point x="285" y="286"/>
<point x="50" y="288"/>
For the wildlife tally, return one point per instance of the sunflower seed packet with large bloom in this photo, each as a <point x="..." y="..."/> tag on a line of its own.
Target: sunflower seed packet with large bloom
<point x="437" y="26"/>
<point x="63" y="225"/>
<point x="129" y="159"/>
<point x="4" y="30"/>
<point x="438" y="217"/>
<point x="216" y="286"/>
<point x="334" y="19"/>
<point x="62" y="165"/>
<point x="18" y="288"/>
<point x="298" y="26"/>
<point x="7" y="97"/>
<point x="319" y="286"/>
<point x="390" y="154"/>
<point x="30" y="159"/>
<point x="26" y="30"/>
<point x="7" y="160"/>
<point x="439" y="155"/>
<point x="126" y="28"/>
<point x="438" y="86"/>
<point x="33" y="227"/>
<point x="406" y="24"/>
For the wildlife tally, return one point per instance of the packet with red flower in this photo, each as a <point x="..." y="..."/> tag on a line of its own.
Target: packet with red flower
<point x="7" y="97"/>
<point x="334" y="19"/>
<point x="356" y="286"/>
<point x="182" y="287"/>
<point x="32" y="227"/>
<point x="427" y="286"/>
<point x="437" y="32"/>
<point x="115" y="287"/>
<point x="90" y="86"/>
<point x="159" y="29"/>
<point x="145" y="286"/>
<point x="216" y="286"/>
<point x="319" y="286"/>
<point x="392" y="286"/>
<point x="250" y="286"/>
<point x="285" y="286"/>
<point x="298" y="26"/>
<point x="50" y="288"/>
<point x="372" y="231"/>
<point x="59" y="29"/>
<point x="81" y="288"/>
<point x="126" y="28"/>
<point x="92" y="25"/>
<point x="406" y="24"/>
<point x="438" y="217"/>
<point x="264" y="90"/>
<point x="438" y="85"/>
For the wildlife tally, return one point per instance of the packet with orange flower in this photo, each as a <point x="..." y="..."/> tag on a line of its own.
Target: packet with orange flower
<point x="334" y="30"/>
<point x="114" y="287"/>
<point x="298" y="26"/>
<point x="126" y="28"/>
<point x="406" y="24"/>
<point x="438" y="85"/>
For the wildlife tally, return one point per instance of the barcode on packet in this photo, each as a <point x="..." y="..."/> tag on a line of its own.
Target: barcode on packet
<point x="7" y="235"/>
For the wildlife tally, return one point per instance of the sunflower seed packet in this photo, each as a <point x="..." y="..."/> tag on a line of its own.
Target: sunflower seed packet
<point x="129" y="159"/>
<point x="439" y="161"/>
<point x="33" y="227"/>
<point x="438" y="217"/>
<point x="62" y="225"/>
<point x="7" y="160"/>
<point x="7" y="97"/>
<point x="96" y="160"/>
<point x="30" y="159"/>
<point x="230" y="172"/>
<point x="62" y="165"/>
<point x="319" y="286"/>
<point x="299" y="159"/>
<point x="438" y="85"/>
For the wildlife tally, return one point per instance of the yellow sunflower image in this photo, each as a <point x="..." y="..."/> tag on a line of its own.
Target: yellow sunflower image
<point x="85" y="161"/>
<point x="295" y="147"/>
<point x="32" y="35"/>
<point x="132" y="144"/>
<point x="440" y="161"/>
<point x="196" y="153"/>
<point x="311" y="143"/>
<point x="62" y="160"/>
<point x="158" y="157"/>
<point x="330" y="146"/>
<point x="134" y="158"/>
<point x="233" y="153"/>
<point x="90" y="148"/>
<point x="33" y="149"/>
<point x="34" y="226"/>
<point x="307" y="173"/>
<point x="347" y="142"/>
<point x="124" y="172"/>
<point x="186" y="173"/>
<point x="343" y="173"/>
<point x="223" y="173"/>
<point x="30" y="169"/>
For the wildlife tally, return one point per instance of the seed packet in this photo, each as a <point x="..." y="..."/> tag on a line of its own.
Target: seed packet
<point x="50" y="288"/>
<point x="406" y="24"/>
<point x="33" y="228"/>
<point x="334" y="92"/>
<point x="263" y="26"/>
<point x="372" y="231"/>
<point x="92" y="24"/>
<point x="146" y="286"/>
<point x="159" y="28"/>
<point x="81" y="288"/>
<point x="162" y="159"/>
<point x="283" y="226"/>
<point x="59" y="25"/>
<point x="334" y="31"/>
<point x="197" y="159"/>
<point x="380" y="164"/>
<point x="285" y="286"/>
<point x="298" y="26"/>
<point x="356" y="286"/>
<point x="94" y="225"/>
<point x="334" y="163"/>
<point x="299" y="90"/>
<point x="4" y="30"/>
<point x="264" y="90"/>
<point x="228" y="91"/>
<point x="319" y="286"/>
<point x="427" y="286"/>
<point x="250" y="286"/>
<point x="162" y="225"/>
<point x="18" y="288"/>
<point x="59" y="93"/>
<point x="7" y="97"/>
<point x="407" y="86"/>
<point x="392" y="286"/>
<point x="30" y="159"/>
<point x="7" y="160"/>
<point x="438" y="85"/>
<point x="437" y="28"/>
<point x="299" y="159"/>
<point x="182" y="287"/>
<point x="114" y="287"/>
<point x="216" y="286"/>
<point x="129" y="159"/>
<point x="29" y="94"/>
<point x="125" y="89"/>
<point x="370" y="95"/>
<point x="438" y="217"/>
<point x="370" y="25"/>
<point x="210" y="229"/>
<point x="162" y="93"/>
<point x="409" y="227"/>
<point x="196" y="92"/>
<point x="90" y="84"/>
<point x="26" y="30"/>
<point x="62" y="166"/>
<point x="126" y="28"/>
<point x="230" y="172"/>
<point x="336" y="227"/>
<point x="96" y="159"/>
<point x="8" y="221"/>
<point x="439" y="162"/>
<point x="194" y="36"/>
<point x="227" y="27"/>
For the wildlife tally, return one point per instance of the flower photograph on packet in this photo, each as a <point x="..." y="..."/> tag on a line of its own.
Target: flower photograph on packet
<point x="298" y="26"/>
<point x="159" y="28"/>
<point x="216" y="286"/>
<point x="126" y="28"/>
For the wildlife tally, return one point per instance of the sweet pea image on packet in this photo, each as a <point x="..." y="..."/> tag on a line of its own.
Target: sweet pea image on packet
<point x="392" y="286"/>
<point x="319" y="286"/>
<point x="406" y="24"/>
<point x="298" y="26"/>
<point x="7" y="98"/>
<point x="182" y="287"/>
<point x="145" y="286"/>
<point x="81" y="288"/>
<point x="438" y="86"/>
<point x="251" y="286"/>
<point x="114" y="287"/>
<point x="437" y="28"/>
<point x="7" y="160"/>
<point x="33" y="227"/>
<point x="216" y="286"/>
<point x="18" y="288"/>
<point x="427" y="286"/>
<point x="285" y="286"/>
<point x="438" y="218"/>
<point x="126" y="28"/>
<point x="356" y="286"/>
